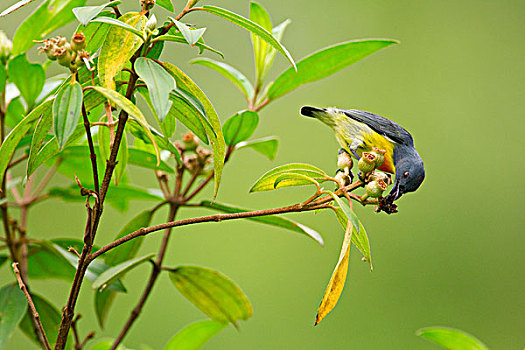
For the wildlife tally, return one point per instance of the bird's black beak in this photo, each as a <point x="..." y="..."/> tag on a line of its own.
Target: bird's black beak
<point x="394" y="194"/>
<point x="311" y="111"/>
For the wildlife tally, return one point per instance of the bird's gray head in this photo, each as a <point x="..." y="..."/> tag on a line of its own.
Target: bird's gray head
<point x="410" y="172"/>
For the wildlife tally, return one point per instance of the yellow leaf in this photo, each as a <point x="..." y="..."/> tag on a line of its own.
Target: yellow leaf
<point x="119" y="46"/>
<point x="337" y="281"/>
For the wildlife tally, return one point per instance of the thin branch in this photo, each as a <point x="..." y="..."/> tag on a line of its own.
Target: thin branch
<point x="41" y="333"/>
<point x="92" y="154"/>
<point x="17" y="161"/>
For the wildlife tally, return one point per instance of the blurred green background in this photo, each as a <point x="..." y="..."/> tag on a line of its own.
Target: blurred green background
<point x="452" y="256"/>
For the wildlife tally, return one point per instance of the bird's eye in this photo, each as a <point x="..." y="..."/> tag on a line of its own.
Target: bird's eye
<point x="405" y="174"/>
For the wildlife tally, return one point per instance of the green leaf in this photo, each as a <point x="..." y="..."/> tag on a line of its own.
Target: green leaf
<point x="349" y="213"/>
<point x="13" y="306"/>
<point x="15" y="7"/>
<point x="195" y="335"/>
<point x="66" y="111"/>
<point x="215" y="136"/>
<point x="41" y="132"/>
<point x="95" y="32"/>
<point x="278" y="33"/>
<point x="260" y="48"/>
<point x="115" y="272"/>
<point x="293" y="179"/>
<point x="3" y="259"/>
<point x="272" y="220"/>
<point x="103" y="301"/>
<point x="252" y="27"/>
<point x="240" y="127"/>
<point x="87" y="13"/>
<point x="9" y="145"/>
<point x="131" y="109"/>
<point x="325" y="62"/>
<point x="121" y="23"/>
<point x="178" y="38"/>
<point x="49" y="16"/>
<point x="359" y="237"/>
<point x="122" y="160"/>
<point x="3" y="77"/>
<point x="267" y="181"/>
<point x="112" y="60"/>
<point x="186" y="108"/>
<point x="191" y="36"/>
<point x="129" y="249"/>
<point x="337" y="280"/>
<point x="28" y="77"/>
<point x="166" y="4"/>
<point x="452" y="339"/>
<point x="237" y="78"/>
<point x="159" y="83"/>
<point x="147" y="160"/>
<point x="15" y="112"/>
<point x="212" y="293"/>
<point x="266" y="146"/>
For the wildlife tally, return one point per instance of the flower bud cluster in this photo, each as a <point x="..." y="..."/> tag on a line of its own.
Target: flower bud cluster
<point x="197" y="162"/>
<point x="68" y="54"/>
<point x="147" y="4"/>
<point x="5" y="47"/>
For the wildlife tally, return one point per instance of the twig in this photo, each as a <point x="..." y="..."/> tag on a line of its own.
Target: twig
<point x="19" y="160"/>
<point x="41" y="333"/>
<point x="92" y="154"/>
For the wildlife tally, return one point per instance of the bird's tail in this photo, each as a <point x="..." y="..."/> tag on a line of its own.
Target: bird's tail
<point x="313" y="112"/>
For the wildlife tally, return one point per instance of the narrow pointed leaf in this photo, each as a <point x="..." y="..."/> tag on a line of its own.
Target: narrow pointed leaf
<point x="212" y="293"/>
<point x="260" y="48"/>
<point x="216" y="138"/>
<point x="195" y="335"/>
<point x="115" y="272"/>
<point x="50" y="318"/>
<point x="452" y="339"/>
<point x="95" y="33"/>
<point x="9" y="145"/>
<point x="41" y="132"/>
<point x="159" y="83"/>
<point x="267" y="181"/>
<point x="13" y="306"/>
<point x="13" y="8"/>
<point x="278" y="33"/>
<point x="237" y="78"/>
<point x="293" y="179"/>
<point x="103" y="301"/>
<point x="49" y="16"/>
<point x="180" y="39"/>
<point x="162" y="141"/>
<point x="3" y="77"/>
<point x="87" y="13"/>
<point x="187" y="109"/>
<point x="111" y="61"/>
<point x="252" y="27"/>
<point x="348" y="212"/>
<point x="166" y="4"/>
<point x="272" y="220"/>
<point x="359" y="237"/>
<point x="131" y="109"/>
<point x="240" y="127"/>
<point x="28" y="77"/>
<point x="66" y="111"/>
<point x="191" y="35"/>
<point x="337" y="280"/>
<point x="122" y="160"/>
<point x="266" y="146"/>
<point x="120" y="23"/>
<point x="325" y="62"/>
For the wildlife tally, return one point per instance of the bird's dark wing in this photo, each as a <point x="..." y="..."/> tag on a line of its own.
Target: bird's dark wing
<point x="381" y="125"/>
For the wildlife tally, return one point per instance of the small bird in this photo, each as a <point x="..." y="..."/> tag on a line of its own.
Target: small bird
<point x="359" y="131"/>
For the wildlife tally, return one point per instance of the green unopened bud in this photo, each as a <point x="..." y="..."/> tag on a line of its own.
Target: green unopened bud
<point x="342" y="178"/>
<point x="380" y="153"/>
<point x="375" y="188"/>
<point x="151" y="24"/>
<point x="190" y="141"/>
<point x="63" y="56"/>
<point x="60" y="41"/>
<point x="48" y="46"/>
<point x="147" y="4"/>
<point x="191" y="3"/>
<point x="367" y="163"/>
<point x="78" y="42"/>
<point x="344" y="161"/>
<point x="377" y="175"/>
<point x="5" y="47"/>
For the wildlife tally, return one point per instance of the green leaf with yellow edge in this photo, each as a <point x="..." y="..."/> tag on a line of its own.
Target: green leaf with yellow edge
<point x="119" y="46"/>
<point x="66" y="111"/>
<point x="215" y="136"/>
<point x="28" y="77"/>
<point x="267" y="181"/>
<point x="10" y="143"/>
<point x="325" y="62"/>
<point x="115" y="272"/>
<point x="252" y="27"/>
<point x="359" y="237"/>
<point x="212" y="293"/>
<point x="451" y="339"/>
<point x="49" y="16"/>
<point x="119" y="23"/>
<point x="272" y="220"/>
<point x="131" y="109"/>
<point x="267" y="146"/>
<point x="232" y="74"/>
<point x="195" y="335"/>
<point x="159" y="83"/>
<point x="337" y="280"/>
<point x="240" y="127"/>
<point x="293" y="179"/>
<point x="13" y="306"/>
<point x="50" y="318"/>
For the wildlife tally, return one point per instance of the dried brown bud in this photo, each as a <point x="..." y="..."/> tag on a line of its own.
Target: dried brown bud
<point x="78" y="42"/>
<point x="367" y="163"/>
<point x="147" y="4"/>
